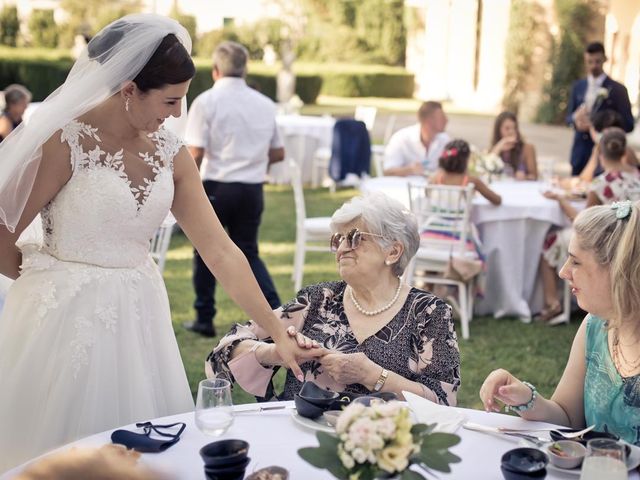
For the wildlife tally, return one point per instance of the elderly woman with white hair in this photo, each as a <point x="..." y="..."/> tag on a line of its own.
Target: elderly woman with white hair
<point x="378" y="333"/>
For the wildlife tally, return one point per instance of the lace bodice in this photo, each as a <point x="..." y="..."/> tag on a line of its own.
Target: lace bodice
<point x="108" y="211"/>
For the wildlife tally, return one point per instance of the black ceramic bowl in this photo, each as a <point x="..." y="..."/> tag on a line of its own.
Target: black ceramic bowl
<point x="523" y="463"/>
<point x="228" y="473"/>
<point x="509" y="475"/>
<point x="307" y="409"/>
<point x="224" y="453"/>
<point x="317" y="395"/>
<point x="583" y="439"/>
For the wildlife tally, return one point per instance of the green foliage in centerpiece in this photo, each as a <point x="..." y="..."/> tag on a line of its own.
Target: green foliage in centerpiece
<point x="380" y="441"/>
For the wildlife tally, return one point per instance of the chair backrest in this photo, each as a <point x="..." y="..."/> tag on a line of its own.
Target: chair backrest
<point x="366" y="115"/>
<point x="301" y="148"/>
<point x="378" y="161"/>
<point x="298" y="192"/>
<point x="388" y="130"/>
<point x="160" y="241"/>
<point x="443" y="213"/>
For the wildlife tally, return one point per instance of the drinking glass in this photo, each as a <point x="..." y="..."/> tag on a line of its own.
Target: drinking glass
<point x="214" y="412"/>
<point x="605" y="459"/>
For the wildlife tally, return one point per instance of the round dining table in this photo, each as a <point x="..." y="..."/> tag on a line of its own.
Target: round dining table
<point x="512" y="236"/>
<point x="275" y="436"/>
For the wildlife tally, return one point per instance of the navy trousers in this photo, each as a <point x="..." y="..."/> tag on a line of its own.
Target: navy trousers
<point x="239" y="207"/>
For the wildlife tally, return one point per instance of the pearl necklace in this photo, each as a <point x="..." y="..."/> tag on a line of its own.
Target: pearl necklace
<point x="371" y="313"/>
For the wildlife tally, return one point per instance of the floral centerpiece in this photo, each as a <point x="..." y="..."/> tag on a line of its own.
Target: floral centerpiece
<point x="380" y="441"/>
<point x="486" y="163"/>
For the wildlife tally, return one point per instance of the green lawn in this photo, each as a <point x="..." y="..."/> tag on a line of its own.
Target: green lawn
<point x="532" y="352"/>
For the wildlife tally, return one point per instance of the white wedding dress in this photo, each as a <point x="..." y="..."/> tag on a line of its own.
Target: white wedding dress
<point x="86" y="341"/>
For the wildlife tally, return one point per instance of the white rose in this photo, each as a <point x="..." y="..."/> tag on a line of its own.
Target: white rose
<point x="359" y="455"/>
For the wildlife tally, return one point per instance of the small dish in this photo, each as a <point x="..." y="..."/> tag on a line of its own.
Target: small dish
<point x="566" y="453"/>
<point x="307" y="409"/>
<point x="317" y="395"/>
<point x="224" y="452"/>
<point x="524" y="463"/>
<point x="270" y="473"/>
<point x="331" y="417"/>
<point x="318" y="424"/>
<point x="555" y="436"/>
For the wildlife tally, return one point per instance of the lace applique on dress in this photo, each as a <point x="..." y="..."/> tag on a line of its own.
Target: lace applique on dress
<point x="82" y="157"/>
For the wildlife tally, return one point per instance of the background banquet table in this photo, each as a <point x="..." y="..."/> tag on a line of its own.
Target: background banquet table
<point x="302" y="135"/>
<point x="274" y="438"/>
<point x="512" y="235"/>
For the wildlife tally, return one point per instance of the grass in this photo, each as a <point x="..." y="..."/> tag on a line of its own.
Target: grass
<point x="532" y="352"/>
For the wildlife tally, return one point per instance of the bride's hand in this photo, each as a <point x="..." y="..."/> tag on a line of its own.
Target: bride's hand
<point x="291" y="353"/>
<point x="303" y="340"/>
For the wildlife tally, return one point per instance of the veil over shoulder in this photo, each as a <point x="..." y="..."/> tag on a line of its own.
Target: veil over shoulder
<point x="114" y="56"/>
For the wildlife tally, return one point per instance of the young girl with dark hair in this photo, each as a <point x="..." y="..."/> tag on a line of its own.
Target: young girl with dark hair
<point x="453" y="165"/>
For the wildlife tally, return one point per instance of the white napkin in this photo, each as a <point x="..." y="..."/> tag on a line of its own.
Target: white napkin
<point x="448" y="419"/>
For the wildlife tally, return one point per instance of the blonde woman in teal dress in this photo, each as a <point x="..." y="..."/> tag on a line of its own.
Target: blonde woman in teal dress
<point x="601" y="382"/>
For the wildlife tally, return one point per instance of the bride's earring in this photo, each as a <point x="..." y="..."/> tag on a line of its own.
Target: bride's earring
<point x="126" y="104"/>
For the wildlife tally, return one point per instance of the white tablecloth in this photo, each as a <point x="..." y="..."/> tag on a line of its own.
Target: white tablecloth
<point x="512" y="235"/>
<point x="274" y="439"/>
<point x="302" y="136"/>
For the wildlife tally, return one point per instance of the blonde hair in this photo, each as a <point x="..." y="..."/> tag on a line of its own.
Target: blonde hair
<point x="111" y="462"/>
<point x="615" y="242"/>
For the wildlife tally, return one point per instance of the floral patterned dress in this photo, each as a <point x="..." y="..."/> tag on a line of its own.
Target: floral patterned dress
<point x="419" y="343"/>
<point x="609" y="187"/>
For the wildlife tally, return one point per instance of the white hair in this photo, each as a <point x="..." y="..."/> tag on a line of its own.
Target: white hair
<point x="384" y="216"/>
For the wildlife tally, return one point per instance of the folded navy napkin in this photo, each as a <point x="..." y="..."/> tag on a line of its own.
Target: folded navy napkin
<point x="144" y="442"/>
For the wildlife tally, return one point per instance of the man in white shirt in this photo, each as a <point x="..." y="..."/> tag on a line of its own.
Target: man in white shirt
<point x="416" y="149"/>
<point x="232" y="135"/>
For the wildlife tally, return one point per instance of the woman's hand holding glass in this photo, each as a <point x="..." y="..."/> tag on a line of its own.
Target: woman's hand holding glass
<point x="501" y="385"/>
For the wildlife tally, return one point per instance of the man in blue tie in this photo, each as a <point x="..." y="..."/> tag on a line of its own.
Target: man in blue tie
<point x="596" y="92"/>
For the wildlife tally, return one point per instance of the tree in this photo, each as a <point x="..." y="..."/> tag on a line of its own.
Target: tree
<point x="575" y="21"/>
<point x="526" y="29"/>
<point x="189" y="22"/>
<point x="43" y="29"/>
<point x="9" y="25"/>
<point x="87" y="17"/>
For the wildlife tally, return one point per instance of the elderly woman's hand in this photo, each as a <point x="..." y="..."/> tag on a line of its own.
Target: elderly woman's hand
<point x="503" y="386"/>
<point x="348" y="368"/>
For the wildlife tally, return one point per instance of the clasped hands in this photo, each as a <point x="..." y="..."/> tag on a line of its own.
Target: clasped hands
<point x="344" y="368"/>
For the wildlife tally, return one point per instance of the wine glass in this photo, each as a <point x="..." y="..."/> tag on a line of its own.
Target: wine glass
<point x="605" y="458"/>
<point x="214" y="407"/>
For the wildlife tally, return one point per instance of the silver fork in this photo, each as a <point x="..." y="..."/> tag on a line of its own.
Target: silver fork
<point x="567" y="435"/>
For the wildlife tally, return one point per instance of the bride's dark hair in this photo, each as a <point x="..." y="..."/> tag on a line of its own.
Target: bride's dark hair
<point x="170" y="64"/>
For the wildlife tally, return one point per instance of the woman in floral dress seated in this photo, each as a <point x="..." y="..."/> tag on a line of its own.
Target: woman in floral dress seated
<point x="619" y="181"/>
<point x="378" y="333"/>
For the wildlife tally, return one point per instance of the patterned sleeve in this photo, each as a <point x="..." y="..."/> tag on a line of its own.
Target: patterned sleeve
<point x="434" y="357"/>
<point x="245" y="369"/>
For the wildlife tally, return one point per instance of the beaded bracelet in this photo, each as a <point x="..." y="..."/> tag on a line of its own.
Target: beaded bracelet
<point x="525" y="406"/>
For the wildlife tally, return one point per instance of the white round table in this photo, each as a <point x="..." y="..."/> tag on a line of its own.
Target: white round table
<point x="274" y="438"/>
<point x="512" y="236"/>
<point x="302" y="136"/>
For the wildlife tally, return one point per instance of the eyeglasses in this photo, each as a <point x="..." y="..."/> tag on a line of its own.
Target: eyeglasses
<point x="353" y="238"/>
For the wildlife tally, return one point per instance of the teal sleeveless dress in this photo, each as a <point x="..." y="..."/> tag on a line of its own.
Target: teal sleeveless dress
<point x="611" y="402"/>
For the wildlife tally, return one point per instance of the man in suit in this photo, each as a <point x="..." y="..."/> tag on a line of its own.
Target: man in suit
<point x="232" y="135"/>
<point x="596" y="92"/>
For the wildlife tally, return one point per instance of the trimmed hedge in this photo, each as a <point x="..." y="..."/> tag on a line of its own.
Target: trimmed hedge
<point x="42" y="71"/>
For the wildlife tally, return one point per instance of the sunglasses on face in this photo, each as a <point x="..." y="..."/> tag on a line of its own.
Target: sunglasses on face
<point x="353" y="238"/>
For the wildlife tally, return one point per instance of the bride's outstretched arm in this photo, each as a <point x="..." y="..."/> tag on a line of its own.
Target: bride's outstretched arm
<point x="53" y="173"/>
<point x="196" y="217"/>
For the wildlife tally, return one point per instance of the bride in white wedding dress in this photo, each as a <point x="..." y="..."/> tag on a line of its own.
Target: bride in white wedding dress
<point x="86" y="341"/>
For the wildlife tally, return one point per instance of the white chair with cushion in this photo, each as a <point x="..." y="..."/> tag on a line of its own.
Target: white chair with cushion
<point x="444" y="211"/>
<point x="312" y="234"/>
<point x="160" y="241"/>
